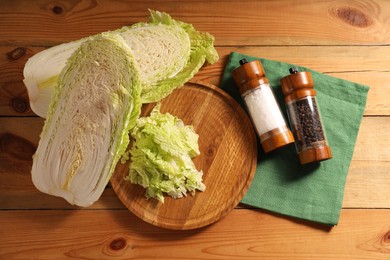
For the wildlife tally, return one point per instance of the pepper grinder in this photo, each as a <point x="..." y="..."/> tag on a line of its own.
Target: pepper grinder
<point x="262" y="106"/>
<point x="304" y="117"/>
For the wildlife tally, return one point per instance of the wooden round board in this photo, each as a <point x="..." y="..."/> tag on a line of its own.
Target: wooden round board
<point x="228" y="147"/>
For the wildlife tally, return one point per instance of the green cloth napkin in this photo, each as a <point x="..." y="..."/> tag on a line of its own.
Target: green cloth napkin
<point x="315" y="191"/>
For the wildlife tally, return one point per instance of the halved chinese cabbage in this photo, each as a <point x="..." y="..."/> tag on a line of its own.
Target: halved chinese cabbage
<point x="167" y="54"/>
<point x="96" y="102"/>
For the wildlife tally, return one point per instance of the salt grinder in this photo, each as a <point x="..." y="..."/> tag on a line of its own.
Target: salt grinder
<point x="262" y="106"/>
<point x="304" y="116"/>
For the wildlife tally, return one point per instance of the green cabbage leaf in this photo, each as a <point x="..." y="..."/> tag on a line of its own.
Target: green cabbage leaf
<point x="161" y="156"/>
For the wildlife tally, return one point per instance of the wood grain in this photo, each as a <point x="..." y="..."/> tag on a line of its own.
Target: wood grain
<point x="244" y="233"/>
<point x="366" y="186"/>
<point x="13" y="94"/>
<point x="228" y="159"/>
<point x="339" y="61"/>
<point x="373" y="133"/>
<point x="280" y="22"/>
<point x="345" y="39"/>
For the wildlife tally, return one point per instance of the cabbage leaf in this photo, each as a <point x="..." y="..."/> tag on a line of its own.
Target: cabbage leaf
<point x="161" y="156"/>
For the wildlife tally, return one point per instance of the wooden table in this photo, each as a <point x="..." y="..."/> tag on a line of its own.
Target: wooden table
<point x="345" y="39"/>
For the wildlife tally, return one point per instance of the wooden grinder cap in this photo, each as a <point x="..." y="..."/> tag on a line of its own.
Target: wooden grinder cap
<point x="297" y="85"/>
<point x="249" y="76"/>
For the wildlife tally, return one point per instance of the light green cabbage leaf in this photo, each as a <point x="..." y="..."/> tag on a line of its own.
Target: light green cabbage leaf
<point x="161" y="156"/>
<point x="96" y="103"/>
<point x="167" y="54"/>
<point x="201" y="50"/>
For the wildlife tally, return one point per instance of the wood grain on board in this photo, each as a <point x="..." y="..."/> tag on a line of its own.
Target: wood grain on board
<point x="244" y="233"/>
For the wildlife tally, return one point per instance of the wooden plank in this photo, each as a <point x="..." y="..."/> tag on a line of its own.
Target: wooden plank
<point x="372" y="138"/>
<point x="368" y="179"/>
<point x="280" y="22"/>
<point x="368" y="171"/>
<point x="13" y="94"/>
<point x="325" y="59"/>
<point x="367" y="185"/>
<point x="360" y="64"/>
<point x="378" y="102"/>
<point x="338" y="61"/>
<point x="244" y="233"/>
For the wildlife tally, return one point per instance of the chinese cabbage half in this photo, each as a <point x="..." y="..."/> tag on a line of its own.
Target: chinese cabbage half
<point x="96" y="102"/>
<point x="167" y="53"/>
